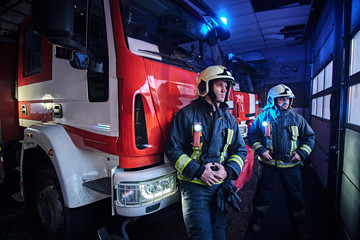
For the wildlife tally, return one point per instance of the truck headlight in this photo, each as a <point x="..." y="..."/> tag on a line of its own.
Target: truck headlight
<point x="140" y="193"/>
<point x="243" y="130"/>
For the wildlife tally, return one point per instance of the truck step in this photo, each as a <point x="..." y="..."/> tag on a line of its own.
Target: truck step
<point x="18" y="197"/>
<point x="104" y="235"/>
<point x="102" y="185"/>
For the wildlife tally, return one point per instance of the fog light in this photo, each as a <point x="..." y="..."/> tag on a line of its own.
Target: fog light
<point x="128" y="194"/>
<point x="243" y="130"/>
<point x="138" y="193"/>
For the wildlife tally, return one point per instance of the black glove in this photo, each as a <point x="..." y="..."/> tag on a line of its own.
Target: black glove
<point x="226" y="195"/>
<point x="231" y="196"/>
<point x="221" y="200"/>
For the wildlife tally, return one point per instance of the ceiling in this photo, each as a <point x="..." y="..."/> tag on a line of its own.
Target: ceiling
<point x="259" y="24"/>
<point x="253" y="24"/>
<point x="12" y="12"/>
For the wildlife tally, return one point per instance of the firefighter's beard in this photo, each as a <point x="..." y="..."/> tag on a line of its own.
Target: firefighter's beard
<point x="283" y="106"/>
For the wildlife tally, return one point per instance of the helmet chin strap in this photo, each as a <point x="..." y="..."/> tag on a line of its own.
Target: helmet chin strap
<point x="216" y="105"/>
<point x="212" y="96"/>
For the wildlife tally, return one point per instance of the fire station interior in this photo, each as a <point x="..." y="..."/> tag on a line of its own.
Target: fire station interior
<point x="311" y="46"/>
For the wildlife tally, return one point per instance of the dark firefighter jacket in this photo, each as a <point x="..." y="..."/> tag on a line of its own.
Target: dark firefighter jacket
<point x="289" y="132"/>
<point x="221" y="141"/>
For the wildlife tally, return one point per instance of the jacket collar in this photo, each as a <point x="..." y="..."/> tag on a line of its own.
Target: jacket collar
<point x="208" y="107"/>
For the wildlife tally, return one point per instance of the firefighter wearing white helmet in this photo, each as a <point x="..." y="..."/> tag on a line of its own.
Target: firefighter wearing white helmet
<point x="282" y="139"/>
<point x="211" y="74"/>
<point x="205" y="145"/>
<point x="280" y="90"/>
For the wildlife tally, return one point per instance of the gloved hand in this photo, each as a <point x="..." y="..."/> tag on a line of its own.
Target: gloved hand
<point x="226" y="196"/>
<point x="231" y="196"/>
<point x="221" y="200"/>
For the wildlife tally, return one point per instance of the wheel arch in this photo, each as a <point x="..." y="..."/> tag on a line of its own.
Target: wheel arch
<point x="49" y="144"/>
<point x="29" y="172"/>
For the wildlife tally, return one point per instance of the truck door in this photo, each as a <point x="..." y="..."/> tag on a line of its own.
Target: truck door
<point x="86" y="98"/>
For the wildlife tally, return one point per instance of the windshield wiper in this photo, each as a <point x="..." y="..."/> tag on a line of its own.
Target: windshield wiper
<point x="179" y="60"/>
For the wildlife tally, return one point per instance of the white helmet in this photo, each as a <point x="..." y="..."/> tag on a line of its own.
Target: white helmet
<point x="210" y="74"/>
<point x="280" y="90"/>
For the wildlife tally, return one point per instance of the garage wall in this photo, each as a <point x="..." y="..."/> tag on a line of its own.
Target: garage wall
<point x="336" y="153"/>
<point x="288" y="65"/>
<point x="350" y="194"/>
<point x="323" y="42"/>
<point x="350" y="175"/>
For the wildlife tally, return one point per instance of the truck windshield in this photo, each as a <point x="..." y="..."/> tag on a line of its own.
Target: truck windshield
<point x="165" y="31"/>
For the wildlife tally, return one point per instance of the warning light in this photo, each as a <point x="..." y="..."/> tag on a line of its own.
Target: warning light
<point x="224" y="20"/>
<point x="197" y="127"/>
<point x="197" y="134"/>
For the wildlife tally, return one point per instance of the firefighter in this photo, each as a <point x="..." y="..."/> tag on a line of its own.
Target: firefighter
<point x="206" y="147"/>
<point x="282" y="140"/>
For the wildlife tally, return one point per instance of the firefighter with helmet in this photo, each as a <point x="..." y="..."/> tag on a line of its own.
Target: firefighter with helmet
<point x="206" y="147"/>
<point x="282" y="140"/>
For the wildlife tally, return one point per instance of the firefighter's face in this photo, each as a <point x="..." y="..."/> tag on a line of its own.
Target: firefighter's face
<point x="283" y="102"/>
<point x="220" y="90"/>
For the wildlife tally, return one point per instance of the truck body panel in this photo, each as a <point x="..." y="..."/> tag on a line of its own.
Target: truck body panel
<point x="10" y="131"/>
<point x="73" y="165"/>
<point x="9" y="127"/>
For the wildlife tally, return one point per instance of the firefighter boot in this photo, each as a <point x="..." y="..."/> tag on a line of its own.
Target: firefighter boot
<point x="297" y="223"/>
<point x="300" y="234"/>
<point x="258" y="216"/>
<point x="256" y="225"/>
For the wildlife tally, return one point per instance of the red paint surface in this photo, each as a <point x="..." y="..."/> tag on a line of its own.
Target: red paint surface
<point x="9" y="128"/>
<point x="46" y="60"/>
<point x="246" y="170"/>
<point x="92" y="141"/>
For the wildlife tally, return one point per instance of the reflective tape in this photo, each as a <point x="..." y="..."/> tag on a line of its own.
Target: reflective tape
<point x="306" y="148"/>
<point x="237" y="159"/>
<point x="182" y="162"/>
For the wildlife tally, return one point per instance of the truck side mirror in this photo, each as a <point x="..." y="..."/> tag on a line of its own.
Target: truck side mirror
<point x="54" y="20"/>
<point x="79" y="60"/>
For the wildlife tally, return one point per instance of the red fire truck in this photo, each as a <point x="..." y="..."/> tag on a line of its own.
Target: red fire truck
<point x="245" y="106"/>
<point x="10" y="131"/>
<point x="246" y="102"/>
<point x="98" y="83"/>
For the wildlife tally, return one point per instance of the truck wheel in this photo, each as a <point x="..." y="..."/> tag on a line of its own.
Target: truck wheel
<point x="58" y="221"/>
<point x="11" y="161"/>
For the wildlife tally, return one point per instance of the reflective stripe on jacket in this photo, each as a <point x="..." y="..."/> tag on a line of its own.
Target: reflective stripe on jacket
<point x="221" y="140"/>
<point x="289" y="132"/>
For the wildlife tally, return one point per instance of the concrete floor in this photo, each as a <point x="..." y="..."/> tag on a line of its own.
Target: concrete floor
<point x="320" y="222"/>
<point x="19" y="223"/>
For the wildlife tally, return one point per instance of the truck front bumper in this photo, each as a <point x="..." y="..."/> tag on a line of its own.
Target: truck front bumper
<point x="138" y="193"/>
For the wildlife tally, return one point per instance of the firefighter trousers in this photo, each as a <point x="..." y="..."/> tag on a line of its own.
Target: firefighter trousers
<point x="290" y="179"/>
<point x="203" y="219"/>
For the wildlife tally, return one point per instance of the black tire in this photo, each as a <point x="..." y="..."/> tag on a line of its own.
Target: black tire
<point x="11" y="161"/>
<point x="58" y="221"/>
